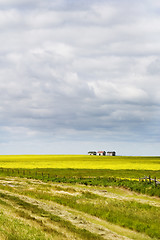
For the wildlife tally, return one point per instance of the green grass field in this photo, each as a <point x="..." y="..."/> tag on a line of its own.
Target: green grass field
<point x="79" y="197"/>
<point x="80" y="162"/>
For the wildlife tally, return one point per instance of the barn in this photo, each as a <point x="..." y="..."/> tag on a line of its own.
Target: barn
<point x="111" y="153"/>
<point x="91" y="153"/>
<point x="101" y="153"/>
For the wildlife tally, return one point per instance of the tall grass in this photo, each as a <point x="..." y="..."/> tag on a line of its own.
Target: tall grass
<point x="83" y="233"/>
<point x="133" y="215"/>
<point x="78" y="173"/>
<point x="92" y="177"/>
<point x="14" y="229"/>
<point x="136" y="216"/>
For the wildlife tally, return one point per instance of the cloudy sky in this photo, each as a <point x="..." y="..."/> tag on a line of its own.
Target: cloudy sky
<point x="79" y="75"/>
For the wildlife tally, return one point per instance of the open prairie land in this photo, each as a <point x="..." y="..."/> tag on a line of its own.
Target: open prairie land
<point x="33" y="209"/>
<point x="79" y="197"/>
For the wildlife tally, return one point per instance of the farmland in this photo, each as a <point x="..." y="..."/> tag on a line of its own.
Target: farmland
<point x="79" y="197"/>
<point x="80" y="162"/>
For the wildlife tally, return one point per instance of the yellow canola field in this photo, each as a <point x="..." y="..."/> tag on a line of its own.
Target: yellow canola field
<point x="79" y="161"/>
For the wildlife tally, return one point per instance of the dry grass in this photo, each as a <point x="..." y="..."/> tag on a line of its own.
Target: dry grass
<point x="33" y="206"/>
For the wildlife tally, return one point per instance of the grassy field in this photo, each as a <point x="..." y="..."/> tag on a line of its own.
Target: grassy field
<point x="35" y="210"/>
<point x="80" y="162"/>
<point x="79" y="197"/>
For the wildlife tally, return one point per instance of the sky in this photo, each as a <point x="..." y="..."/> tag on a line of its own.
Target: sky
<point x="77" y="76"/>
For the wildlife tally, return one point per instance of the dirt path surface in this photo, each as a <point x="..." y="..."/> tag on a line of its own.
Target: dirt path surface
<point x="16" y="189"/>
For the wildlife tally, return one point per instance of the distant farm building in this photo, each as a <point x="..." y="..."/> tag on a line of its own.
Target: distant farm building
<point x="101" y="153"/>
<point x="92" y="153"/>
<point x="111" y="153"/>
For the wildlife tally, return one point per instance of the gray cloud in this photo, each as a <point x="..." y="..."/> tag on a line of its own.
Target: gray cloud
<point x="79" y="71"/>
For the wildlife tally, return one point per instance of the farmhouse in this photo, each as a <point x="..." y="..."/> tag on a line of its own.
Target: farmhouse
<point x="91" y="153"/>
<point x="111" y="153"/>
<point x="101" y="153"/>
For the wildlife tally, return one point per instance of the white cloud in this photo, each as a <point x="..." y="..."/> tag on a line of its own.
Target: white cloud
<point x="79" y="71"/>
